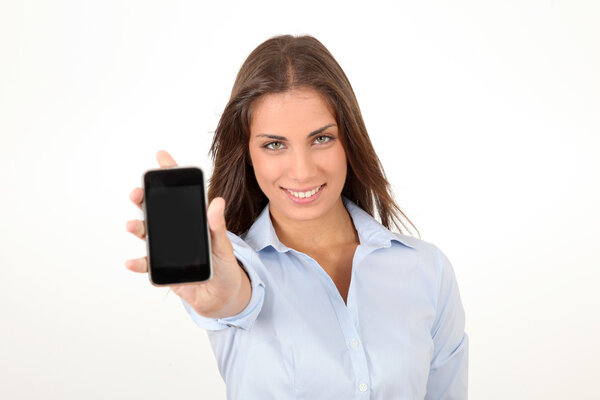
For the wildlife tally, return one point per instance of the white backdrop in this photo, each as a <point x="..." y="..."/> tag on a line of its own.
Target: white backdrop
<point x="485" y="115"/>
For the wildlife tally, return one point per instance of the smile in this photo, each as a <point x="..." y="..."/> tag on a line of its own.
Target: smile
<point x="304" y="196"/>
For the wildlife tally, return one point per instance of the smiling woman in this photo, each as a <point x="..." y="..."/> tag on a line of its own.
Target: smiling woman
<point x="295" y="64"/>
<point x="312" y="297"/>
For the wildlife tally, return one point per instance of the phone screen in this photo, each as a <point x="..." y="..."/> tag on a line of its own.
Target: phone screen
<point x="176" y="227"/>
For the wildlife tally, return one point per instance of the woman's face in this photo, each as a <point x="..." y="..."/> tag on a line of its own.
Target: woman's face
<point x="298" y="159"/>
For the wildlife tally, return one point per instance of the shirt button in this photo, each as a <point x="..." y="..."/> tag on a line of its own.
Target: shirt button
<point x="354" y="343"/>
<point x="363" y="387"/>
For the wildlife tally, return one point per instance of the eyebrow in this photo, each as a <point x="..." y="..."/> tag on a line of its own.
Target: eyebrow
<point x="313" y="133"/>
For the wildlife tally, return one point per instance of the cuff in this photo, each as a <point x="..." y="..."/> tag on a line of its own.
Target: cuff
<point x="245" y="318"/>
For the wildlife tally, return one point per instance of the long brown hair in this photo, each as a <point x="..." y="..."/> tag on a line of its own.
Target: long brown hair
<point x="280" y="64"/>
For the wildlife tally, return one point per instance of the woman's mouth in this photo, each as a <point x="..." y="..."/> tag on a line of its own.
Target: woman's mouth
<point x="304" y="197"/>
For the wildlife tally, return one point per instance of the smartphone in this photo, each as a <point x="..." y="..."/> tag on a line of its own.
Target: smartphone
<point x="177" y="236"/>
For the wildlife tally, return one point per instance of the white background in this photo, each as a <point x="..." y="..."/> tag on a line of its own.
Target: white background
<point x="485" y="115"/>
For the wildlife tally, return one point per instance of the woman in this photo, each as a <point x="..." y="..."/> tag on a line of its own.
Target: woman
<point x="311" y="297"/>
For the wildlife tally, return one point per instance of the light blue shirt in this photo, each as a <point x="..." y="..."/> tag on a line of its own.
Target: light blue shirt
<point x="400" y="335"/>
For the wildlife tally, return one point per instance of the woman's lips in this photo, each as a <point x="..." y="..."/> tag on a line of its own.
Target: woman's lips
<point x="305" y="196"/>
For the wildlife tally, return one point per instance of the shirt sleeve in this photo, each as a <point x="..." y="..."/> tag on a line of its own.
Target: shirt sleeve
<point x="449" y="364"/>
<point x="245" y="318"/>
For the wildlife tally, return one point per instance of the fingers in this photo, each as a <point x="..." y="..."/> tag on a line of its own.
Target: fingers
<point x="165" y="160"/>
<point x="221" y="245"/>
<point x="137" y="264"/>
<point x="137" y="227"/>
<point x="137" y="197"/>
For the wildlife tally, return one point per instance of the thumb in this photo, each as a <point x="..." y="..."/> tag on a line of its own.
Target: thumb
<point x="221" y="245"/>
<point x="165" y="160"/>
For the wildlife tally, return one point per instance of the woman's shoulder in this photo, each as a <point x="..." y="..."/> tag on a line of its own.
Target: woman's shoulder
<point x="414" y="242"/>
<point x="428" y="253"/>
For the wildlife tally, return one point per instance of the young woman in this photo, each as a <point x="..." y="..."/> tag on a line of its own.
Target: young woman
<point x="311" y="297"/>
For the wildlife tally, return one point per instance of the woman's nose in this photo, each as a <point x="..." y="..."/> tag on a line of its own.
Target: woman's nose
<point x="303" y="166"/>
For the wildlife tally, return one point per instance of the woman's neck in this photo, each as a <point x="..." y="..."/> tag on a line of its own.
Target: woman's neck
<point x="335" y="228"/>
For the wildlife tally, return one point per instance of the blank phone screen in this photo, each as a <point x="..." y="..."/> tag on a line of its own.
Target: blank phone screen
<point x="177" y="232"/>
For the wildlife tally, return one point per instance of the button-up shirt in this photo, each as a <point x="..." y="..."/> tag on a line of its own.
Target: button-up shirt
<point x="400" y="335"/>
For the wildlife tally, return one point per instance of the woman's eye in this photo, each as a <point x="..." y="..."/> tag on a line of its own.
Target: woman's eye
<point x="274" y="145"/>
<point x="322" y="139"/>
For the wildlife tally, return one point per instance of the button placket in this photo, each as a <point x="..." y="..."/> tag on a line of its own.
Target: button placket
<point x="348" y="320"/>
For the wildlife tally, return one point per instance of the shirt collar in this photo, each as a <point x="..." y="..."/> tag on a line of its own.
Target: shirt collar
<point x="262" y="234"/>
<point x="370" y="232"/>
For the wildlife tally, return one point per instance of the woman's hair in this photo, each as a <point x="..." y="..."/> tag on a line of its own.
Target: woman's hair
<point x="280" y="64"/>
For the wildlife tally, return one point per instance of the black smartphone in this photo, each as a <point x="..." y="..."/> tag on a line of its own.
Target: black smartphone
<point x="177" y="236"/>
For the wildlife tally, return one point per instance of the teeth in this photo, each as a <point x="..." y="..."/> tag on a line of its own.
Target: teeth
<point x="303" y="195"/>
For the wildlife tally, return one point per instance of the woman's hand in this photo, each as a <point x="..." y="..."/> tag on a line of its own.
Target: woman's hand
<point x="228" y="291"/>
